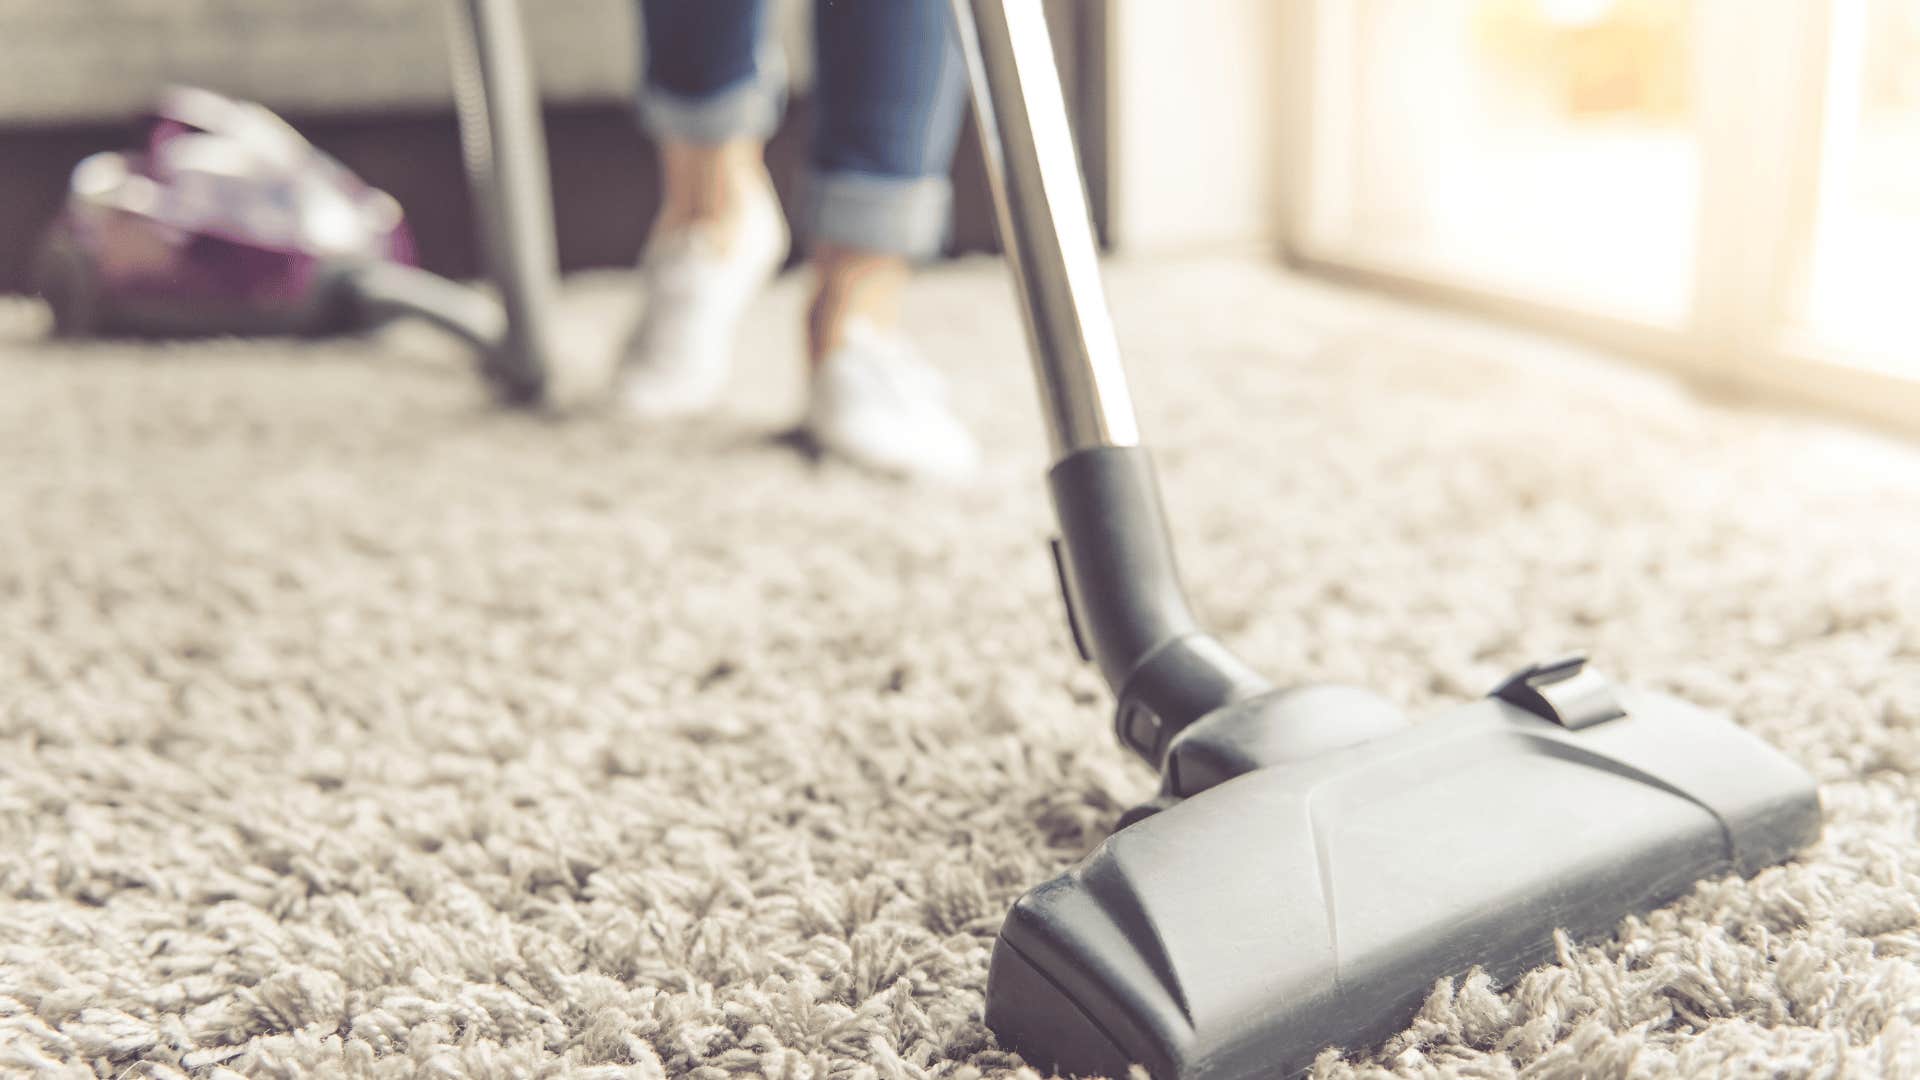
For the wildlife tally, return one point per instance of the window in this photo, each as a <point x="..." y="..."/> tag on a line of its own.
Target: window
<point x="1728" y="186"/>
<point x="1863" y="292"/>
<point x="1545" y="147"/>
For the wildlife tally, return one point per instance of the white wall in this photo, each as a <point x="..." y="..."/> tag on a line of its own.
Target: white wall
<point x="66" y="60"/>
<point x="1194" y="99"/>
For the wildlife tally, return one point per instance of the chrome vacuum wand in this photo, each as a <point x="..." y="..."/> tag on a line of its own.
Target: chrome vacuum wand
<point x="1127" y="608"/>
<point x="504" y="147"/>
<point x="1046" y="228"/>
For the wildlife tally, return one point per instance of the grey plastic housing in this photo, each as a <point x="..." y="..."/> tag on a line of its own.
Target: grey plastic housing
<point x="1240" y="931"/>
<point x="1314" y="862"/>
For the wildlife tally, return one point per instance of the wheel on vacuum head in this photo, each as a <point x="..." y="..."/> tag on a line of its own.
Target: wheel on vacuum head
<point x="64" y="279"/>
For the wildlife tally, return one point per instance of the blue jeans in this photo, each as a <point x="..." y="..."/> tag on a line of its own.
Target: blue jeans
<point x="891" y="93"/>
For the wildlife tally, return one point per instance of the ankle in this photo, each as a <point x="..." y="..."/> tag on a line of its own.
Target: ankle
<point x="853" y="287"/>
<point x="711" y="185"/>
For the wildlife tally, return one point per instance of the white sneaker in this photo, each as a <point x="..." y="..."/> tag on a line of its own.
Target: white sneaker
<point x="697" y="289"/>
<point x="877" y="404"/>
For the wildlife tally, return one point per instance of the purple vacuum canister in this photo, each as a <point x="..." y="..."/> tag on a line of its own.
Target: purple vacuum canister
<point x="225" y="221"/>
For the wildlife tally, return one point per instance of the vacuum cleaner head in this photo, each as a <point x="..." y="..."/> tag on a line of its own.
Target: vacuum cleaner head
<point x="1293" y="903"/>
<point x="1313" y="864"/>
<point x="225" y="220"/>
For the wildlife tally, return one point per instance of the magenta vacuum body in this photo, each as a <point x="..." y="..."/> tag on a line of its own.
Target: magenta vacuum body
<point x="225" y="220"/>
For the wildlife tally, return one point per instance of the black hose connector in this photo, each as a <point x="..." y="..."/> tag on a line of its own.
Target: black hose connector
<point x="1128" y="606"/>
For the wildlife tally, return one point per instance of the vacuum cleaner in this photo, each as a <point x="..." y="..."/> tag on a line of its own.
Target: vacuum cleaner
<point x="227" y="221"/>
<point x="1313" y="863"/>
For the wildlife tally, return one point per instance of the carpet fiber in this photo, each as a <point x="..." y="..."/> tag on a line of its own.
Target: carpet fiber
<point x="351" y="728"/>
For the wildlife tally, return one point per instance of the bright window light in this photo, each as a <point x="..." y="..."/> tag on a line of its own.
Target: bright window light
<point x="1547" y="147"/>
<point x="1864" y="291"/>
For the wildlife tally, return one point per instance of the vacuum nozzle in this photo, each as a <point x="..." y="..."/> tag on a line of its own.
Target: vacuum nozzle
<point x="1314" y="903"/>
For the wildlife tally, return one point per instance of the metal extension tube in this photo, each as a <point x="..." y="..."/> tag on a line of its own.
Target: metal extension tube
<point x="1044" y="223"/>
<point x="505" y="146"/>
<point x="1129" y="612"/>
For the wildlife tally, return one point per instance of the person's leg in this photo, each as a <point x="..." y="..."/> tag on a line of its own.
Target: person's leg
<point x="892" y="94"/>
<point x="891" y="91"/>
<point x="713" y="93"/>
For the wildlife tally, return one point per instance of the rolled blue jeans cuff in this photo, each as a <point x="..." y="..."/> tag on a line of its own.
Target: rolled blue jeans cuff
<point x="748" y="109"/>
<point x="897" y="215"/>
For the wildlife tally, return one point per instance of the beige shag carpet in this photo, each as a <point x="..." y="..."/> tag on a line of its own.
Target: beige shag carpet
<point x="351" y="728"/>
